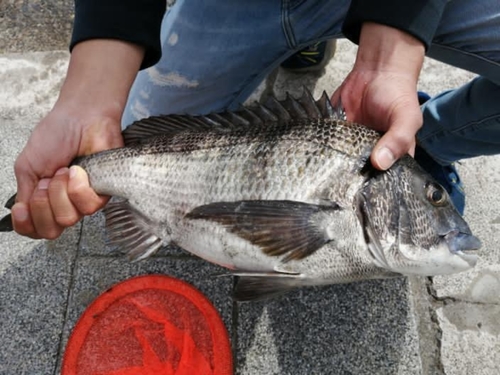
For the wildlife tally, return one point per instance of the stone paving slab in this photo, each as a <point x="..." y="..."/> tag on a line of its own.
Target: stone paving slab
<point x="33" y="298"/>
<point x="360" y="328"/>
<point x="468" y="304"/>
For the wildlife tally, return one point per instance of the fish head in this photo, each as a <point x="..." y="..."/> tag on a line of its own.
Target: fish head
<point x="410" y="224"/>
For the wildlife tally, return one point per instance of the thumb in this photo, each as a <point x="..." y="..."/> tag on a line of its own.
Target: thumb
<point x="398" y="141"/>
<point x="81" y="194"/>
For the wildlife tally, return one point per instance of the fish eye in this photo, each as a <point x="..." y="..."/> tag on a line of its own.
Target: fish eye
<point x="435" y="194"/>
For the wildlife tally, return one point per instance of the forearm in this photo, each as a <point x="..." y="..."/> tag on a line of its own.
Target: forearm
<point x="98" y="83"/>
<point x="384" y="48"/>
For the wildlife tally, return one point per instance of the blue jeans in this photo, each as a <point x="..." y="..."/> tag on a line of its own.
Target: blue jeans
<point x="216" y="52"/>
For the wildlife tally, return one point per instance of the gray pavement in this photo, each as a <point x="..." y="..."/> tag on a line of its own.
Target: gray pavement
<point x="401" y="326"/>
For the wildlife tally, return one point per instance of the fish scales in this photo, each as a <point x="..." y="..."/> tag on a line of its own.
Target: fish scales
<point x="241" y="166"/>
<point x="283" y="194"/>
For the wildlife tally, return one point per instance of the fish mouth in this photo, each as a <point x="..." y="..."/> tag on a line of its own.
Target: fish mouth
<point x="464" y="245"/>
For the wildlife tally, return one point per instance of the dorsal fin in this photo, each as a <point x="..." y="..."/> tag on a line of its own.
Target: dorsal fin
<point x="339" y="110"/>
<point x="325" y="106"/>
<point x="294" y="107"/>
<point x="161" y="125"/>
<point x="271" y="111"/>
<point x="250" y="116"/>
<point x="265" y="114"/>
<point x="276" y="107"/>
<point x="309" y="105"/>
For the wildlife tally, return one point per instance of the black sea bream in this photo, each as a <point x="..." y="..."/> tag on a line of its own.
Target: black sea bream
<point x="283" y="194"/>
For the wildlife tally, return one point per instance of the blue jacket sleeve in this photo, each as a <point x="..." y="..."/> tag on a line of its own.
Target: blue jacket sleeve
<point x="135" y="21"/>
<point x="419" y="18"/>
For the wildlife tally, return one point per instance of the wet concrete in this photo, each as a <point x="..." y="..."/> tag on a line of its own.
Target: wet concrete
<point x="35" y="25"/>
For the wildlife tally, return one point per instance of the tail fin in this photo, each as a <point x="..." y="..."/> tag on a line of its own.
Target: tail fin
<point x="6" y="221"/>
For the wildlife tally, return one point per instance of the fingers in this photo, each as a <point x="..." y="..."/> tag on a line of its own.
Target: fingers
<point x="41" y="212"/>
<point x="56" y="203"/>
<point x="21" y="220"/>
<point x="36" y="219"/>
<point x="64" y="212"/>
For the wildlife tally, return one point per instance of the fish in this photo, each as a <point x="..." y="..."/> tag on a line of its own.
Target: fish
<point x="282" y="194"/>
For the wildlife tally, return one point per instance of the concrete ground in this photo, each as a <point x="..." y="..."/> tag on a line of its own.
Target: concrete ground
<point x="445" y="325"/>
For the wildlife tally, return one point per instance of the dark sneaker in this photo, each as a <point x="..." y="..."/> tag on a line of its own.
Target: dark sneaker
<point x="312" y="58"/>
<point x="422" y="97"/>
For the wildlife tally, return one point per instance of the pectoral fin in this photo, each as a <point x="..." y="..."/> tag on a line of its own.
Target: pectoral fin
<point x="289" y="228"/>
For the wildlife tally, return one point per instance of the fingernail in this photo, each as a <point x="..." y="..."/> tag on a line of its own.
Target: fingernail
<point x="385" y="158"/>
<point x="43" y="184"/>
<point x="61" y="171"/>
<point x="20" y="212"/>
<point x="73" y="172"/>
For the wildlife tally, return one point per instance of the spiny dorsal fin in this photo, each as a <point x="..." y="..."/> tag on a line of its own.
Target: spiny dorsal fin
<point x="294" y="230"/>
<point x="256" y="115"/>
<point x="309" y="105"/>
<point x="162" y="125"/>
<point x="339" y="110"/>
<point x="294" y="107"/>
<point x="276" y="107"/>
<point x="130" y="230"/>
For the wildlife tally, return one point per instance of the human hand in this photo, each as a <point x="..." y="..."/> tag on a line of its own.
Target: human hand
<point x="381" y="90"/>
<point x="51" y="197"/>
<point x="84" y="120"/>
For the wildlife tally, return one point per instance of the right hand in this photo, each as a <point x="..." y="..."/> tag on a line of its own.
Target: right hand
<point x="85" y="120"/>
<point x="51" y="197"/>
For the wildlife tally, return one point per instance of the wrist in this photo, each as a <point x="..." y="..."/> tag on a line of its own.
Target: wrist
<point x="383" y="48"/>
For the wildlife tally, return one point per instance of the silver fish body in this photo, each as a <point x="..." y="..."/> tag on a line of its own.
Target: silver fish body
<point x="283" y="194"/>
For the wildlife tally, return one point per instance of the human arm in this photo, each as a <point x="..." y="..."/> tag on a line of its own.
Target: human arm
<point x="84" y="120"/>
<point x="381" y="90"/>
<point x="106" y="55"/>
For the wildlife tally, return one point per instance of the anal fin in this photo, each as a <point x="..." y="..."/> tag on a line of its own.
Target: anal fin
<point x="255" y="287"/>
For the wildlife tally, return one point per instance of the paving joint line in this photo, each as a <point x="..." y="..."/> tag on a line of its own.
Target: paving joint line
<point x="234" y="328"/>
<point x="446" y="300"/>
<point x="431" y="291"/>
<point x="60" y="350"/>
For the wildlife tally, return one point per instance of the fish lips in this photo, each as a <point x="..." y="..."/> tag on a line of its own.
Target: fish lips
<point x="461" y="243"/>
